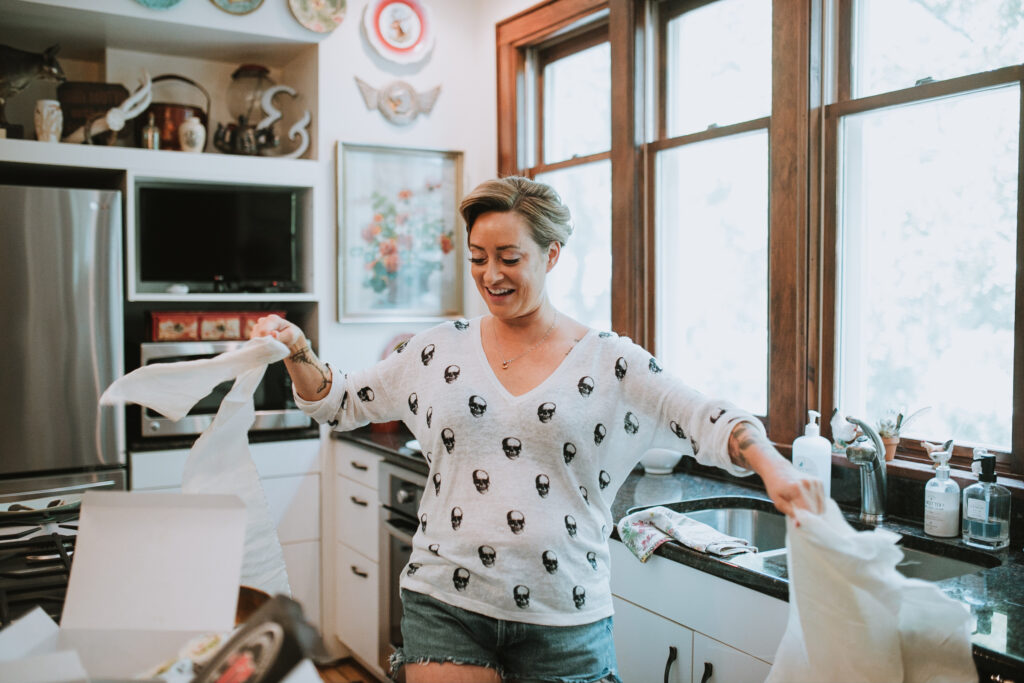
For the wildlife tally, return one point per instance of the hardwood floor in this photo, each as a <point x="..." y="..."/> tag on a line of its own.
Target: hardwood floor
<point x="346" y="671"/>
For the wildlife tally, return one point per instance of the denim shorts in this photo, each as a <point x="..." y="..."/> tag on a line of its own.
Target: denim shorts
<point x="433" y="631"/>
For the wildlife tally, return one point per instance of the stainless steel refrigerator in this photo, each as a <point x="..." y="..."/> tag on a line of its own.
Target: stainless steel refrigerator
<point x="61" y="341"/>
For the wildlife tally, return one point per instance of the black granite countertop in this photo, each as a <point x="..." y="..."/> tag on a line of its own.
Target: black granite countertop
<point x="995" y="596"/>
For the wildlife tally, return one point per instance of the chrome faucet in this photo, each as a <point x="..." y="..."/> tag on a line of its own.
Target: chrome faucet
<point x="870" y="455"/>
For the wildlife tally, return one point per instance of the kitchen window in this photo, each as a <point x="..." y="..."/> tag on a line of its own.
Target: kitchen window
<point x="812" y="204"/>
<point x="922" y="167"/>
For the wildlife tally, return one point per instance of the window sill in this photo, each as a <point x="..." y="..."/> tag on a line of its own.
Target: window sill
<point x="919" y="471"/>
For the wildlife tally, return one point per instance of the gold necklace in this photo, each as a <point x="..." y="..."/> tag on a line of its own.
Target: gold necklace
<point x="506" y="363"/>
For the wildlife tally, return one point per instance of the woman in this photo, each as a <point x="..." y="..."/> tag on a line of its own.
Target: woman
<point x="530" y="422"/>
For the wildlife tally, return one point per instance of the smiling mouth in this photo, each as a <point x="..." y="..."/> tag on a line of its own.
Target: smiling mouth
<point x="499" y="292"/>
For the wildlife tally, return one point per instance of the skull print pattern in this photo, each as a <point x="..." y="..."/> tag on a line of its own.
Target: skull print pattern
<point x="552" y="456"/>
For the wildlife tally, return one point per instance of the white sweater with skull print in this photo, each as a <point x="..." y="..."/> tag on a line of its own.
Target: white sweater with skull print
<point x="515" y="520"/>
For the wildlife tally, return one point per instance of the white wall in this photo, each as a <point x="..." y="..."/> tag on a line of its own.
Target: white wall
<point x="464" y="118"/>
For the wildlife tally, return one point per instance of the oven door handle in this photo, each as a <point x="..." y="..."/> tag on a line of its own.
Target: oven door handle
<point x="400" y="529"/>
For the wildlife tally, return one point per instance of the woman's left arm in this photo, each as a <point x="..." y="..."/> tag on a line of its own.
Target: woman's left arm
<point x="788" y="487"/>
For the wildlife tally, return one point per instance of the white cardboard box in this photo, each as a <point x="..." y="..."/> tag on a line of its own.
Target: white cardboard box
<point x="150" y="572"/>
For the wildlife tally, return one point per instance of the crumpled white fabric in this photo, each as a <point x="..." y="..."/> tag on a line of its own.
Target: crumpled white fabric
<point x="645" y="530"/>
<point x="853" y="617"/>
<point x="220" y="461"/>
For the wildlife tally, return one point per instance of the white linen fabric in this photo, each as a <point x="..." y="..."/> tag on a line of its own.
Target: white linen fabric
<point x="644" y="530"/>
<point x="219" y="461"/>
<point x="854" y="618"/>
<point x="515" y="520"/>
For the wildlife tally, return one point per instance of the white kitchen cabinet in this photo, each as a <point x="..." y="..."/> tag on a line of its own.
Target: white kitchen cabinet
<point x="724" y="663"/>
<point x="647" y="645"/>
<point x="353" y="579"/>
<point x="357" y="605"/>
<point x="735" y="629"/>
<point x="290" y="475"/>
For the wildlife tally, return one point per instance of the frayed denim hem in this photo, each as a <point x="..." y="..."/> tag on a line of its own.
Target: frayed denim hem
<point x="398" y="659"/>
<point x="606" y="677"/>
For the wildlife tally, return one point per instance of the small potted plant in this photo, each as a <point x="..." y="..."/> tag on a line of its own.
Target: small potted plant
<point x="890" y="425"/>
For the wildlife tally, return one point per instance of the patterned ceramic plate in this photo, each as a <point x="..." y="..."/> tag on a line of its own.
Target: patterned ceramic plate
<point x="237" y="6"/>
<point x="399" y="30"/>
<point x="158" y="4"/>
<point x="322" y="16"/>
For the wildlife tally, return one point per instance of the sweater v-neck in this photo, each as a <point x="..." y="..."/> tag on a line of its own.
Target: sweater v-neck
<point x="515" y="398"/>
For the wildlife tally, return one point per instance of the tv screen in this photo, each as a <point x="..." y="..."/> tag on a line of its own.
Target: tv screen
<point x="241" y="237"/>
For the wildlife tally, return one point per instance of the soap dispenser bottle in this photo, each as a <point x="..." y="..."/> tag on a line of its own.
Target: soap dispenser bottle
<point x="812" y="453"/>
<point x="986" y="509"/>
<point x="941" y="497"/>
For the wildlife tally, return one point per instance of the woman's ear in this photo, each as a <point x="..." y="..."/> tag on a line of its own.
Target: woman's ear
<point x="554" y="249"/>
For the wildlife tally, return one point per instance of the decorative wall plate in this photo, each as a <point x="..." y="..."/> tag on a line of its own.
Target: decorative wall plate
<point x="399" y="30"/>
<point x="237" y="6"/>
<point x="158" y="4"/>
<point x="321" y="16"/>
<point x="397" y="101"/>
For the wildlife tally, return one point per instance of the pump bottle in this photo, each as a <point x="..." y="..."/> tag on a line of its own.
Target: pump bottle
<point x="986" y="510"/>
<point x="941" y="498"/>
<point x="812" y="453"/>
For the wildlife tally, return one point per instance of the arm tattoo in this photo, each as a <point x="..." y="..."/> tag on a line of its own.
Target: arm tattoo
<point x="741" y="440"/>
<point x="304" y="356"/>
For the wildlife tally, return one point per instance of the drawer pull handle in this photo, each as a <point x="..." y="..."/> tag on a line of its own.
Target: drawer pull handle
<point x="672" y="654"/>
<point x="708" y="672"/>
<point x="361" y="574"/>
<point x="359" y="466"/>
<point x="360" y="503"/>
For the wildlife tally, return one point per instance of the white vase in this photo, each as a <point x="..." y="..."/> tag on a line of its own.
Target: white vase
<point x="49" y="120"/>
<point x="192" y="135"/>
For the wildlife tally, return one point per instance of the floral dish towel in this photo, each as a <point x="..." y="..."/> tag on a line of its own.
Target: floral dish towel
<point x="645" y="530"/>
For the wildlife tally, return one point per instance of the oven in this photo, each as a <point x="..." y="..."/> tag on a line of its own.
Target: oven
<point x="273" y="401"/>
<point x="400" y="491"/>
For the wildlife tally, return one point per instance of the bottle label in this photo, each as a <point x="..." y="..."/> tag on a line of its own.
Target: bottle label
<point x="807" y="465"/>
<point x="977" y="509"/>
<point x="940" y="514"/>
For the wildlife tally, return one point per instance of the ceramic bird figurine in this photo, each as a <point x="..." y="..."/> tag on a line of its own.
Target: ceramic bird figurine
<point x="18" y="68"/>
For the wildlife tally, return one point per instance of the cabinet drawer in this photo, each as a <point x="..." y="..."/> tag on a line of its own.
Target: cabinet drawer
<point x="728" y="665"/>
<point x="356" y="463"/>
<point x="357" y="523"/>
<point x="357" y="605"/>
<point x="644" y="645"/>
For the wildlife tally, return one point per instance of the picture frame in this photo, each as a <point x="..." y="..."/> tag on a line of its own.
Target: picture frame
<point x="399" y="247"/>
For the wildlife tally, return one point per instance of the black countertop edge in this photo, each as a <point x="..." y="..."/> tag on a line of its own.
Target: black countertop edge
<point x="167" y="443"/>
<point x="994" y="596"/>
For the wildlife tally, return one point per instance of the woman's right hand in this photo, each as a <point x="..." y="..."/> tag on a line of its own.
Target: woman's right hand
<point x="286" y="332"/>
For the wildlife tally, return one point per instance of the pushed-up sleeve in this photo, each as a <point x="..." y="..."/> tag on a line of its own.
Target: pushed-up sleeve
<point x="358" y="398"/>
<point x="684" y="419"/>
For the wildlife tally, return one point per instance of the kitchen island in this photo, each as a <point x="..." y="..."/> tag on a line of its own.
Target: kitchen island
<point x="995" y="596"/>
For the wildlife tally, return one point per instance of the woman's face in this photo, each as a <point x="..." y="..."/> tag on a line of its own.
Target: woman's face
<point x="509" y="268"/>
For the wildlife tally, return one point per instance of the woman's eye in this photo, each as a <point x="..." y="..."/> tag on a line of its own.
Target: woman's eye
<point x="477" y="261"/>
<point x="510" y="261"/>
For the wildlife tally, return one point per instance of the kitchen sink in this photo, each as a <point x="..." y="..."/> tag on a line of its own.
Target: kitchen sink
<point x="757" y="521"/>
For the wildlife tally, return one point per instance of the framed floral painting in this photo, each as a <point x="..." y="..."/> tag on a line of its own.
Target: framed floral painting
<point x="398" y="254"/>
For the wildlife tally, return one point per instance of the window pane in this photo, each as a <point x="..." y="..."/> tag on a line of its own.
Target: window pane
<point x="927" y="254"/>
<point x="580" y="284"/>
<point x="719" y="69"/>
<point x="712" y="266"/>
<point x="901" y="41"/>
<point x="577" y="104"/>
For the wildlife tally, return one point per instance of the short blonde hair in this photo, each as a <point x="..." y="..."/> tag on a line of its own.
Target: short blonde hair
<point x="548" y="218"/>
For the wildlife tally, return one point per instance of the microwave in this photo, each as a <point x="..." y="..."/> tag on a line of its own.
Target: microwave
<point x="273" y="400"/>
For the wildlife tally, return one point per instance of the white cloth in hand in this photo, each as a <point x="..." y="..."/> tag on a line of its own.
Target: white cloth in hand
<point x="220" y="461"/>
<point x="645" y="530"/>
<point x="854" y="618"/>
